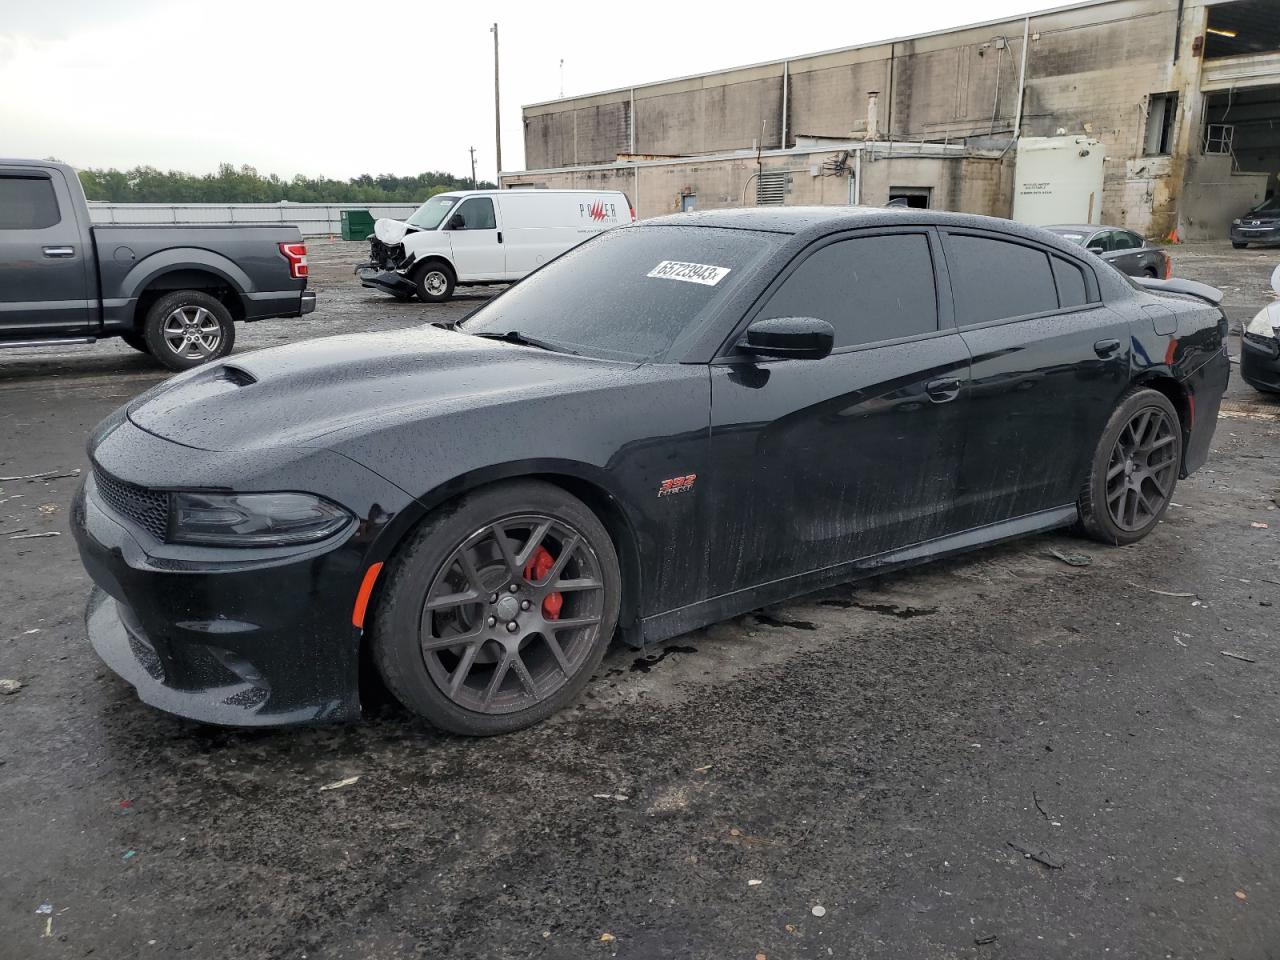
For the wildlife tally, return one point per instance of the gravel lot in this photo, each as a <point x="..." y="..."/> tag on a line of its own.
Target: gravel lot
<point x="876" y="756"/>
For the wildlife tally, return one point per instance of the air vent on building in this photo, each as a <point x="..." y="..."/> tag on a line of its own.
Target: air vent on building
<point x="771" y="187"/>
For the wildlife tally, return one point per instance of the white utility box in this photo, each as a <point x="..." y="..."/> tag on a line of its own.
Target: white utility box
<point x="1058" y="180"/>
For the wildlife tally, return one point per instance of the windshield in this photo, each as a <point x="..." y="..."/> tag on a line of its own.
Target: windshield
<point x="1268" y="206"/>
<point x="629" y="294"/>
<point x="1071" y="236"/>
<point x="429" y="215"/>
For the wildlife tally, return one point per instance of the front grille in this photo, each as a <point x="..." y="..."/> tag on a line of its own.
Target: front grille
<point x="149" y="509"/>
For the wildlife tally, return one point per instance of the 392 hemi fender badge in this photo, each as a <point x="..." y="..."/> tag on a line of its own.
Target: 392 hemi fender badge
<point x="676" y="485"/>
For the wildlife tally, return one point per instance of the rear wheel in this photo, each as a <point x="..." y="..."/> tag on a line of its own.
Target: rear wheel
<point x="1238" y="244"/>
<point x="435" y="281"/>
<point x="497" y="611"/>
<point x="186" y="328"/>
<point x="1134" y="470"/>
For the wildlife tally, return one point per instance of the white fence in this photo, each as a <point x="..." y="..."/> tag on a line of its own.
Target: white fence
<point x="313" y="219"/>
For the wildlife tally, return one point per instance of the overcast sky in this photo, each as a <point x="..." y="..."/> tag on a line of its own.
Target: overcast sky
<point x="340" y="89"/>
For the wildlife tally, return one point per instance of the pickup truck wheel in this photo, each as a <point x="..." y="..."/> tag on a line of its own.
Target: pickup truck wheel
<point x="434" y="281"/>
<point x="186" y="328"/>
<point x="136" y="340"/>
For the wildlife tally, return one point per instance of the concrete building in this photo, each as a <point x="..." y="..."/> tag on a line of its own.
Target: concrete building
<point x="1182" y="95"/>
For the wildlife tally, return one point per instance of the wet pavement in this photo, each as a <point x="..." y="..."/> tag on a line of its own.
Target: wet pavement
<point x="886" y="754"/>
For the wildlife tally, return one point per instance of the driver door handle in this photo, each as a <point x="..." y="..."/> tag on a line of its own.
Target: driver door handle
<point x="941" y="391"/>
<point x="59" y="251"/>
<point x="1105" y="348"/>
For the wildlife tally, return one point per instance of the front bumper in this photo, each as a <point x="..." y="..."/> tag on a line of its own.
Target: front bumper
<point x="260" y="642"/>
<point x="388" y="280"/>
<point x="1269" y="233"/>
<point x="1260" y="364"/>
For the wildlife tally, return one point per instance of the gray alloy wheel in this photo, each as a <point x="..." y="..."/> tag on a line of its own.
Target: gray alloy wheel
<point x="1142" y="470"/>
<point x="192" y="332"/>
<point x="1134" y="470"/>
<point x="497" y="609"/>
<point x="186" y="328"/>
<point x="512" y="614"/>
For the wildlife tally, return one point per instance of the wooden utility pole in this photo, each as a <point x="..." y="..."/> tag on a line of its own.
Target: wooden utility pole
<point x="497" y="107"/>
<point x="473" y="167"/>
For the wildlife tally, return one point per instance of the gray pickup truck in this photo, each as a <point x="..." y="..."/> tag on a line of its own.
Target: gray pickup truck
<point x="174" y="292"/>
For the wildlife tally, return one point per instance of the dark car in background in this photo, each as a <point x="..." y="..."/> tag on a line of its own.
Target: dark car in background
<point x="1123" y="249"/>
<point x="673" y="423"/>
<point x="174" y="292"/>
<point x="1259" y="225"/>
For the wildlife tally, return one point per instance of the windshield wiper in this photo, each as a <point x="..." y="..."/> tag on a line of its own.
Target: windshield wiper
<point x="520" y="339"/>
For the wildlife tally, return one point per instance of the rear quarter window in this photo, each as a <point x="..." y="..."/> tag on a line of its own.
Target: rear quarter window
<point x="1072" y="291"/>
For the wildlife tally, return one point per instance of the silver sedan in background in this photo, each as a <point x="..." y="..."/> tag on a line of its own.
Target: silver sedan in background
<point x="1123" y="249"/>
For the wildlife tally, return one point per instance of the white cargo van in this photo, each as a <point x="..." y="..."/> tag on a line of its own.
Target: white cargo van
<point x="484" y="236"/>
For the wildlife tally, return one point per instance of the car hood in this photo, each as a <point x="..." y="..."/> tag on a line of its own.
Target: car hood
<point x="297" y="394"/>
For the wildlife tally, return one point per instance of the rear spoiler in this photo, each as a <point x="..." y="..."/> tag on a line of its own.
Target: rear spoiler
<point x="1192" y="288"/>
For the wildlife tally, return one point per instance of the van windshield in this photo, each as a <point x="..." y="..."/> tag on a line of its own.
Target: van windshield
<point x="430" y="214"/>
<point x="630" y="293"/>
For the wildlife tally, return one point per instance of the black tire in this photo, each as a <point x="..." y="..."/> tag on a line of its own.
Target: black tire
<point x="1238" y="245"/>
<point x="136" y="340"/>
<point x="435" y="281"/>
<point x="1151" y="273"/>
<point x="1129" y="488"/>
<point x="188" y="312"/>
<point x="402" y="627"/>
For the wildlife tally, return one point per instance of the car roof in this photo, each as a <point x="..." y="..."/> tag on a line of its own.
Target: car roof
<point x="1087" y="227"/>
<point x="816" y="221"/>
<point x="508" y="191"/>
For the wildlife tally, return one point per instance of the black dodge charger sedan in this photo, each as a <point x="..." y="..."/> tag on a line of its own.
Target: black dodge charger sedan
<point x="673" y="423"/>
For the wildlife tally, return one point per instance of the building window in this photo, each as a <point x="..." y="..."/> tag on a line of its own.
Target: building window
<point x="915" y="197"/>
<point x="1162" y="111"/>
<point x="772" y="187"/>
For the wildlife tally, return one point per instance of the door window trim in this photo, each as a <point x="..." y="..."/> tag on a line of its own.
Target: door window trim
<point x="1092" y="291"/>
<point x="946" y="320"/>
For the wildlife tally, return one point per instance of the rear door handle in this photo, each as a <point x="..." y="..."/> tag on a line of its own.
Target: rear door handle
<point x="1105" y="348"/>
<point x="940" y="391"/>
<point x="499" y="236"/>
<point x="59" y="251"/>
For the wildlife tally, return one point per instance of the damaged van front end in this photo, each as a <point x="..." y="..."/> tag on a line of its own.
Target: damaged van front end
<point x="389" y="262"/>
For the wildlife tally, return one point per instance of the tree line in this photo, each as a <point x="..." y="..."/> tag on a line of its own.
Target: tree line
<point x="245" y="185"/>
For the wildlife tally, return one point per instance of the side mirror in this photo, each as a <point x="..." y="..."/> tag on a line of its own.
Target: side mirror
<point x="799" y="338"/>
<point x="1275" y="280"/>
<point x="1097" y="249"/>
<point x="456" y="223"/>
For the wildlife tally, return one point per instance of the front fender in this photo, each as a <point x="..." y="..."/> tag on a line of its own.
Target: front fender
<point x="428" y="243"/>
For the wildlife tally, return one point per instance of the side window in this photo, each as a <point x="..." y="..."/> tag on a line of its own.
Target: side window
<point x="868" y="288"/>
<point x="27" y="203"/>
<point x="1072" y="291"/>
<point x="475" y="214"/>
<point x="1124" y="240"/>
<point x="994" y="279"/>
<point x="1104" y="241"/>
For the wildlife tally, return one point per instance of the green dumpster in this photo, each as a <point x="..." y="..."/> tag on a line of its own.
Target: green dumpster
<point x="356" y="224"/>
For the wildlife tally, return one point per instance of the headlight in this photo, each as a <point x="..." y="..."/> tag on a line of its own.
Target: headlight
<point x="252" y="519"/>
<point x="1235" y="222"/>
<point x="1265" y="323"/>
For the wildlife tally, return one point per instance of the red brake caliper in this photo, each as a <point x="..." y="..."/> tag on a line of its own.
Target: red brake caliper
<point x="539" y="566"/>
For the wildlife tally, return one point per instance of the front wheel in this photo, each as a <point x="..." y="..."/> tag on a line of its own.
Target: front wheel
<point x="186" y="328"/>
<point x="435" y="282"/>
<point x="1134" y="470"/>
<point x="498" y="609"/>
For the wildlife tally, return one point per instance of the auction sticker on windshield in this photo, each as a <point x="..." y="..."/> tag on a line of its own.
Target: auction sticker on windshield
<point x="689" y="272"/>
